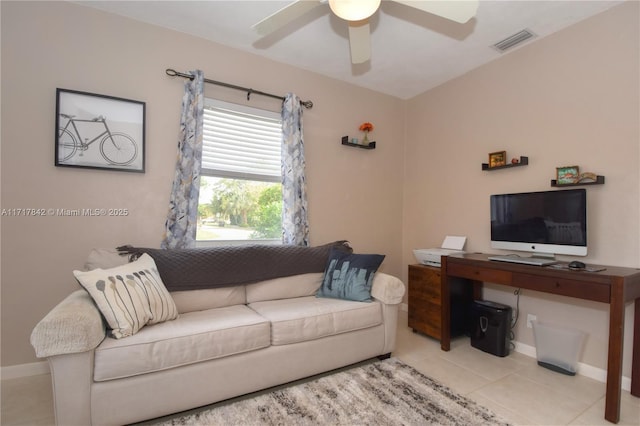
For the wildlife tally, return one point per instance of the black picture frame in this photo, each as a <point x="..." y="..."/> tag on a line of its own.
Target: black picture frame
<point x="99" y="132"/>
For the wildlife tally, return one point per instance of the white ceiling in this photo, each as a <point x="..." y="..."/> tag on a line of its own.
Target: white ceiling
<point x="412" y="51"/>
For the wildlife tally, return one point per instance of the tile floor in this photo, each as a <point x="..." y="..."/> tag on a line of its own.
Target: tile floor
<point x="514" y="387"/>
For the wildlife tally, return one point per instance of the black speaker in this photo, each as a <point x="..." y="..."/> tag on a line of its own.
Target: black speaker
<point x="490" y="325"/>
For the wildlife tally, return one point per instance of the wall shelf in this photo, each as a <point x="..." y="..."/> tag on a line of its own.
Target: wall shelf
<point x="345" y="141"/>
<point x="599" y="181"/>
<point x="524" y="161"/>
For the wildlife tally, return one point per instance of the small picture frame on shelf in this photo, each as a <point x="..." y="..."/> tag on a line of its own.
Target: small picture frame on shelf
<point x="567" y="175"/>
<point x="498" y="158"/>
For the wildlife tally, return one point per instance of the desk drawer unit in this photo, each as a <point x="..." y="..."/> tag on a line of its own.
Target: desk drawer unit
<point x="424" y="300"/>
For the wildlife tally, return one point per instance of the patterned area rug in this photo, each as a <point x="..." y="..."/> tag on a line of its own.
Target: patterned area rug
<point x="381" y="393"/>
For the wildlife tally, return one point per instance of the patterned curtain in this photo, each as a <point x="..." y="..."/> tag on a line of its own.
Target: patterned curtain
<point x="183" y="204"/>
<point x="295" y="225"/>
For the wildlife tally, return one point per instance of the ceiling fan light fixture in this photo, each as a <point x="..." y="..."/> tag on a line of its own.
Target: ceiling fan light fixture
<point x="354" y="10"/>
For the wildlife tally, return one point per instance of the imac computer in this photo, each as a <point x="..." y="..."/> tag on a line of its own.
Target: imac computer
<point x="543" y="223"/>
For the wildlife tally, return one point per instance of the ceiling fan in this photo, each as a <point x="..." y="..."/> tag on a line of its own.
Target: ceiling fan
<point x="357" y="13"/>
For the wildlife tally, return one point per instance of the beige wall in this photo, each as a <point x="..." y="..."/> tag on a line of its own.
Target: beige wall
<point x="569" y="99"/>
<point x="353" y="194"/>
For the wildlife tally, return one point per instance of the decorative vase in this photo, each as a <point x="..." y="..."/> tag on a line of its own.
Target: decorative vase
<point x="365" y="140"/>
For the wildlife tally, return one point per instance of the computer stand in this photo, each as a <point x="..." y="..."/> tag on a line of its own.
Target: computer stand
<point x="538" y="259"/>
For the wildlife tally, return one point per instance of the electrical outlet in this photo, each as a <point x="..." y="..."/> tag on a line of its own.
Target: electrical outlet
<point x="529" y="319"/>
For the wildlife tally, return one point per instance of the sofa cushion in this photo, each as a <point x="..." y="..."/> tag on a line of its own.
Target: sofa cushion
<point x="284" y="288"/>
<point x="210" y="298"/>
<point x="308" y="318"/>
<point x="193" y="337"/>
<point x="349" y="276"/>
<point x="129" y="296"/>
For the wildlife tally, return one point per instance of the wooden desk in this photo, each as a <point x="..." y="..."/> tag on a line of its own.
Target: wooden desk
<point x="615" y="286"/>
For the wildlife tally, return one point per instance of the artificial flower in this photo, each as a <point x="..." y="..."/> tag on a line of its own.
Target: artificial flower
<point x="366" y="127"/>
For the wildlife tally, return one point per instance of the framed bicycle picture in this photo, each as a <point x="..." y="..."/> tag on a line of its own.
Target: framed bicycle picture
<point x="99" y="131"/>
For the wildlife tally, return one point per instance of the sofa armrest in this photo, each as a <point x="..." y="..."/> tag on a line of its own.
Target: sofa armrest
<point x="387" y="289"/>
<point x="74" y="325"/>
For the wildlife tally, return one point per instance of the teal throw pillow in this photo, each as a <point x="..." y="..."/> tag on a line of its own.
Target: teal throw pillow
<point x="349" y="276"/>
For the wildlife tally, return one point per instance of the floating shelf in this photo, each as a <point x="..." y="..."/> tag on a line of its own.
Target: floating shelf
<point x="524" y="161"/>
<point x="599" y="181"/>
<point x="345" y="141"/>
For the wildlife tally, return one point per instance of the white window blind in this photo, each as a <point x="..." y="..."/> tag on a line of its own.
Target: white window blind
<point x="241" y="142"/>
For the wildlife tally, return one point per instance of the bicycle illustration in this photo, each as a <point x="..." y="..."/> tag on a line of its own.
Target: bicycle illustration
<point x="116" y="148"/>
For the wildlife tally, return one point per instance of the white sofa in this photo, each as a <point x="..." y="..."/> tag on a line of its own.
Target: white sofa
<point x="226" y="342"/>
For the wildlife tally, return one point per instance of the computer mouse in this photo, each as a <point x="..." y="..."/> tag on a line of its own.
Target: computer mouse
<point x="576" y="265"/>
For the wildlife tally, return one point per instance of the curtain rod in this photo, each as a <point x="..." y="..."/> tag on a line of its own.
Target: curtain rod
<point x="174" y="73"/>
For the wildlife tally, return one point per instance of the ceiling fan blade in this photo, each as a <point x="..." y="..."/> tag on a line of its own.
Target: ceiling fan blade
<point x="458" y="11"/>
<point x="360" y="41"/>
<point x="285" y="15"/>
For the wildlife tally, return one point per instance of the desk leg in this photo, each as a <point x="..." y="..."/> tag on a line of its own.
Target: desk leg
<point x="477" y="290"/>
<point x="614" y="362"/>
<point x="445" y="304"/>
<point x="445" y="307"/>
<point x="635" y="360"/>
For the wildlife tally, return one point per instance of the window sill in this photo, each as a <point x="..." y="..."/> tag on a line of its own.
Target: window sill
<point x="221" y="243"/>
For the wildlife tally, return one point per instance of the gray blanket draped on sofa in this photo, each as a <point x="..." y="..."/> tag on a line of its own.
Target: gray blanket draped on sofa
<point x="200" y="268"/>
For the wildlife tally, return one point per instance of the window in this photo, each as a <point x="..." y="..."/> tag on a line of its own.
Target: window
<point x="240" y="189"/>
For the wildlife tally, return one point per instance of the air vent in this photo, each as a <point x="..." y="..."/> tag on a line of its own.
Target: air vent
<point x="511" y="41"/>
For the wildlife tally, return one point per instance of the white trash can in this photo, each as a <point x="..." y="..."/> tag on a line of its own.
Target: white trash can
<point x="558" y="348"/>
